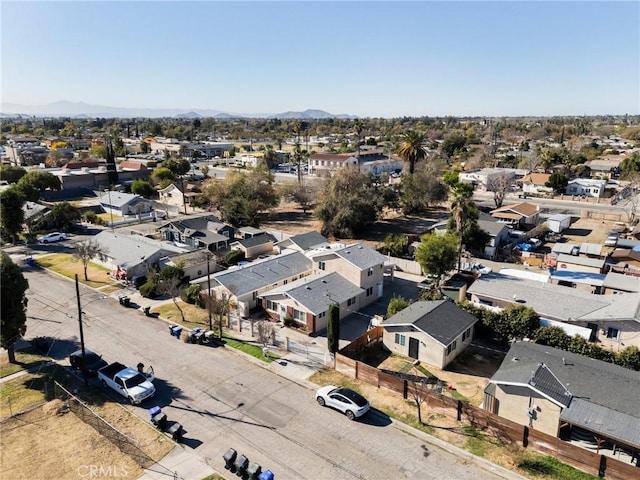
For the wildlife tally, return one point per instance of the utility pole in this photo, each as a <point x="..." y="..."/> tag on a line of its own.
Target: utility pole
<point x="209" y="292"/>
<point x="84" y="357"/>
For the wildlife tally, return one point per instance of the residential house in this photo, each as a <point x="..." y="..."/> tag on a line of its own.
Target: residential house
<point x="433" y="332"/>
<point x="613" y="320"/>
<point x="374" y="161"/>
<point x="498" y="234"/>
<point x="34" y="212"/>
<point x="518" y="215"/>
<point x="254" y="246"/>
<point x="194" y="264"/>
<point x="178" y="196"/>
<point x="307" y="300"/>
<point x="74" y="180"/>
<point x="618" y="283"/>
<point x="626" y="258"/>
<point x="535" y="184"/>
<point x="569" y="396"/>
<point x="302" y="242"/>
<point x="132" y="255"/>
<point x="586" y="187"/>
<point x="359" y="264"/>
<point x="580" y="263"/>
<point x="590" y="250"/>
<point x="124" y="204"/>
<point x="242" y="285"/>
<point x="199" y="232"/>
<point x="248" y="232"/>
<point x="482" y="178"/>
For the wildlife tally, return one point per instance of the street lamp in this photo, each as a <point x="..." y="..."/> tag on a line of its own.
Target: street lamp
<point x="108" y="190"/>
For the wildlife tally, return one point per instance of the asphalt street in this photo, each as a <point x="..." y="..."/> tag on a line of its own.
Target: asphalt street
<point x="224" y="400"/>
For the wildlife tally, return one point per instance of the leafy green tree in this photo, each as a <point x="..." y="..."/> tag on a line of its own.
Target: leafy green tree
<point x="349" y="203"/>
<point x="333" y="328"/>
<point x="14" y="304"/>
<point x="452" y="144"/>
<point x="87" y="250"/>
<point x="232" y="257"/>
<point x="583" y="171"/>
<point x="558" y="181"/>
<point x="99" y="151"/>
<point x="11" y="213"/>
<point x="522" y="321"/>
<point x="628" y="357"/>
<point x="552" y="336"/>
<point x="420" y="190"/>
<point x="437" y="254"/>
<point x="631" y="163"/>
<point x="396" y="244"/>
<point x="12" y="173"/>
<point x="62" y="216"/>
<point x="396" y="304"/>
<point x="191" y="295"/>
<point x="143" y="187"/>
<point x="162" y="174"/>
<point x="145" y="147"/>
<point x="412" y="149"/>
<point x="205" y="170"/>
<point x="36" y="181"/>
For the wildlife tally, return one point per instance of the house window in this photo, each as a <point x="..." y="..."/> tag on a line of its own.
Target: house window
<point x="369" y="291"/>
<point x="351" y="301"/>
<point x="451" y="347"/>
<point x="321" y="265"/>
<point x="299" y="315"/>
<point x="466" y="334"/>
<point x="613" y="333"/>
<point x="370" y="272"/>
<point x="322" y="314"/>
<point x="286" y="281"/>
<point x="400" y="339"/>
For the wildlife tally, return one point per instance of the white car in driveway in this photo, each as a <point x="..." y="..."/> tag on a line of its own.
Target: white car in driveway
<point x="345" y="400"/>
<point x="52" y="237"/>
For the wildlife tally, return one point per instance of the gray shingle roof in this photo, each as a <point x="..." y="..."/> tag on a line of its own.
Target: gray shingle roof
<point x="591" y="382"/>
<point x="555" y="301"/>
<point x="584" y="261"/>
<point x="256" y="240"/>
<point x="619" y="281"/>
<point x="119" y="199"/>
<point x="130" y="250"/>
<point x="257" y="275"/>
<point x="317" y="292"/>
<point x="307" y="241"/>
<point x="361" y="256"/>
<point x="441" y="319"/>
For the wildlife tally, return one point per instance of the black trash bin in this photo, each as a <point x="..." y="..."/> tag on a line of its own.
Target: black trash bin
<point x="126" y="301"/>
<point x="194" y="335"/>
<point x="241" y="465"/>
<point x="175" y="431"/>
<point x="147" y="311"/>
<point x="160" y="421"/>
<point x="229" y="457"/>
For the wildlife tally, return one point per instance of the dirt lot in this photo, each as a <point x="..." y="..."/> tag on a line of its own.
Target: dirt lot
<point x="49" y="442"/>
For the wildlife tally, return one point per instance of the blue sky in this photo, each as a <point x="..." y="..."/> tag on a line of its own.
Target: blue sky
<point x="369" y="59"/>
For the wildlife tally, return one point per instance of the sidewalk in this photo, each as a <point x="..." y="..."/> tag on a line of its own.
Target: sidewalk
<point x="179" y="463"/>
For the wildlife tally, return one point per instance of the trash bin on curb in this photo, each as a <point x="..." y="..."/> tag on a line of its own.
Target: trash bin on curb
<point x="266" y="475"/>
<point x="177" y="330"/>
<point x="253" y="470"/>
<point x="175" y="431"/>
<point x="126" y="301"/>
<point x="241" y="465"/>
<point x="195" y="335"/>
<point x="229" y="457"/>
<point x="147" y="311"/>
<point x="171" y="327"/>
<point x="154" y="411"/>
<point x="209" y="335"/>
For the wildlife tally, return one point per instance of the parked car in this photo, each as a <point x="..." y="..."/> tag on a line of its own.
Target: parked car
<point x="94" y="361"/>
<point x="345" y="400"/>
<point x="52" y="237"/>
<point x="612" y="238"/>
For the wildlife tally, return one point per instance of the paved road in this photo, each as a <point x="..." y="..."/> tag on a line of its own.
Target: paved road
<point x="223" y="400"/>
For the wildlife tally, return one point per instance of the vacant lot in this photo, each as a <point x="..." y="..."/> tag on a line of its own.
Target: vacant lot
<point x="57" y="443"/>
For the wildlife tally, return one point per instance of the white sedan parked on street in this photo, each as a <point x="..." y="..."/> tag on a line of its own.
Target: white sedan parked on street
<point x="52" y="237"/>
<point x="351" y="403"/>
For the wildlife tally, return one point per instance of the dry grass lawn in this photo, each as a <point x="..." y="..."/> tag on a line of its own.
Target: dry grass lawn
<point x="64" y="264"/>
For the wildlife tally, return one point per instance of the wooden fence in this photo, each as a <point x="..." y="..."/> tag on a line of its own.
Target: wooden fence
<point x="501" y="428"/>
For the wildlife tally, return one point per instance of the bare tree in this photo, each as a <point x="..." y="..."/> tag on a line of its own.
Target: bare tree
<point x="499" y="184"/>
<point x="265" y="333"/>
<point x="87" y="250"/>
<point x="420" y="392"/>
<point x="219" y="305"/>
<point x="171" y="286"/>
<point x="631" y="204"/>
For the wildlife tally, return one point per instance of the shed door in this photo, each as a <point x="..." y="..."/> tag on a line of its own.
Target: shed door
<point x="413" y="347"/>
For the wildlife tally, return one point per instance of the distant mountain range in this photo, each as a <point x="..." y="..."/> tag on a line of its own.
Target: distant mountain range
<point x="84" y="110"/>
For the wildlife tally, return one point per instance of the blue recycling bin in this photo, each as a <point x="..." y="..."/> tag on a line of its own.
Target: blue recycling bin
<point x="31" y="262"/>
<point x="177" y="330"/>
<point x="153" y="411"/>
<point x="266" y="475"/>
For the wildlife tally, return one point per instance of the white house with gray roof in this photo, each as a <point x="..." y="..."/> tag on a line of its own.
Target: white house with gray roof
<point x="132" y="255"/>
<point x="614" y="320"/>
<point x="434" y="332"/>
<point x="244" y="284"/>
<point x="123" y="204"/>
<point x="359" y="264"/>
<point x="574" y="397"/>
<point x="307" y="300"/>
<point x="302" y="242"/>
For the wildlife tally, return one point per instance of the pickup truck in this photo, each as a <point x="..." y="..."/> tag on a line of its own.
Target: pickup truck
<point x="132" y="384"/>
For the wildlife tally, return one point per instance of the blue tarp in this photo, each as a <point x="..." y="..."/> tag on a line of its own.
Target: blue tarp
<point x="525" y="247"/>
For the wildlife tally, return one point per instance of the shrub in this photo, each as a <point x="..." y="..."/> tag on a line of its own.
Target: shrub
<point x="92" y="217"/>
<point x="233" y="257"/>
<point x="149" y="289"/>
<point x="191" y="295"/>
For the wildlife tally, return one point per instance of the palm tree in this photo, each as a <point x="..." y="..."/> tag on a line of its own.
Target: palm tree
<point x="411" y="151"/>
<point x="461" y="210"/>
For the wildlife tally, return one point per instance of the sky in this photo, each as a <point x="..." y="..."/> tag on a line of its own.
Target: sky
<point x="370" y="59"/>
